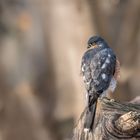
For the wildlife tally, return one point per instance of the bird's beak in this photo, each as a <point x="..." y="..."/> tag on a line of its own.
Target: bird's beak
<point x="89" y="46"/>
<point x="92" y="45"/>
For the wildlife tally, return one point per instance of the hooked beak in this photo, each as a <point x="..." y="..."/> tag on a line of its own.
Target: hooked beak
<point x="92" y="45"/>
<point x="89" y="46"/>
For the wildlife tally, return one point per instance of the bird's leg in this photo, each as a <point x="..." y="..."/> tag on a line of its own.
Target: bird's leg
<point x="104" y="94"/>
<point x="117" y="70"/>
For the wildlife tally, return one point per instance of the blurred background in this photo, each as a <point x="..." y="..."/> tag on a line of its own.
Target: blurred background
<point x="41" y="45"/>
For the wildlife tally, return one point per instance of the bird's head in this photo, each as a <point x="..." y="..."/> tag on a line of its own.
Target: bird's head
<point x="95" y="42"/>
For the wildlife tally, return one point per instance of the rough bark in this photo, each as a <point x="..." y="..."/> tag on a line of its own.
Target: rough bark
<point x="113" y="121"/>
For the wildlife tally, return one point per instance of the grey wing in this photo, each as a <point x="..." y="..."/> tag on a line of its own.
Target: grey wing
<point x="98" y="70"/>
<point x="86" y="68"/>
<point x="105" y="69"/>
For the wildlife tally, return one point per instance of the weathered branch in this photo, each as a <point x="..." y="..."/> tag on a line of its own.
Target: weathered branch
<point x="113" y="121"/>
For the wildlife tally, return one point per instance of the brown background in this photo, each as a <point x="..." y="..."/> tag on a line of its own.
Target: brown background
<point x="41" y="45"/>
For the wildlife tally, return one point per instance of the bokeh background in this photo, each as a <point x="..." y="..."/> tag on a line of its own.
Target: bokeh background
<point x="41" y="45"/>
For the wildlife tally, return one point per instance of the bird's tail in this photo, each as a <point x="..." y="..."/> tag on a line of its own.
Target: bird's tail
<point x="89" y="118"/>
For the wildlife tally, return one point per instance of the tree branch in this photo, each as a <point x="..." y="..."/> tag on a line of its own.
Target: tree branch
<point x="113" y="121"/>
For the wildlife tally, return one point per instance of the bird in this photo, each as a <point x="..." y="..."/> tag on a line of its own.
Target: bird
<point x="100" y="69"/>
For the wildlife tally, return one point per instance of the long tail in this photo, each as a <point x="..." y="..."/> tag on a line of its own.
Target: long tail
<point x="89" y="118"/>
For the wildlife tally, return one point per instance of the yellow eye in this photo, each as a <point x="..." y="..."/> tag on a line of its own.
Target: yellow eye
<point x="95" y="46"/>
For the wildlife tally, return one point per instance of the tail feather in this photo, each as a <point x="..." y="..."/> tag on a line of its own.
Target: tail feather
<point x="89" y="118"/>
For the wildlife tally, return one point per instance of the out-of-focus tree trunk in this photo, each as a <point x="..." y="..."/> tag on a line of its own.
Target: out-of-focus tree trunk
<point x="67" y="25"/>
<point x="44" y="87"/>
